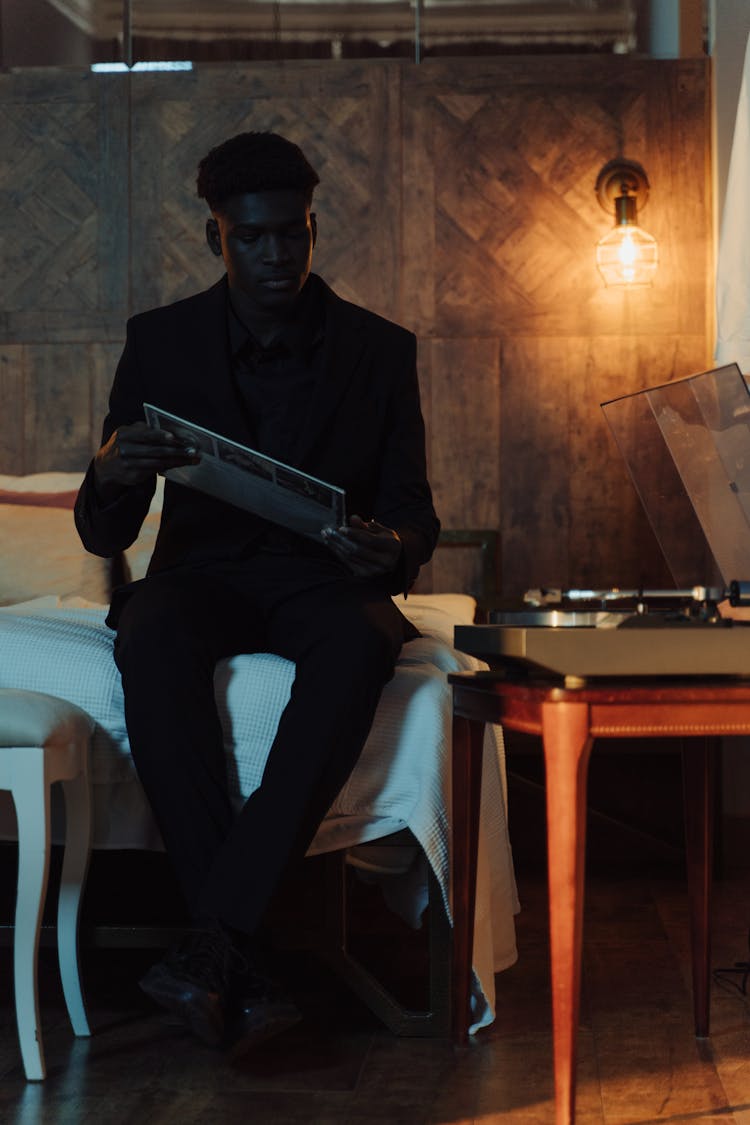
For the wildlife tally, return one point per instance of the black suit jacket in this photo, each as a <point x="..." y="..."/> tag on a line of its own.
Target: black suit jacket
<point x="364" y="432"/>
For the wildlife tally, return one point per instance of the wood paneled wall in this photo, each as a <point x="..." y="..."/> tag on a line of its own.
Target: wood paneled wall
<point x="456" y="197"/>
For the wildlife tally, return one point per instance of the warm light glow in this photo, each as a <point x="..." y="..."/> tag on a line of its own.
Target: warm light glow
<point x="627" y="255"/>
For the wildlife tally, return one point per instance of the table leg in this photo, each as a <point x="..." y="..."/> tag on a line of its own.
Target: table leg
<point x="468" y="741"/>
<point x="567" y="746"/>
<point x="698" y="803"/>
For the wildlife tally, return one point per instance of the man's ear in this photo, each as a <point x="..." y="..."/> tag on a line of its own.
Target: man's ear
<point x="314" y="226"/>
<point x="213" y="237"/>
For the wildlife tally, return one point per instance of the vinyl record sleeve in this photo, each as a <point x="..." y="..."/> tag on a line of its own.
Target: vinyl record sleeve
<point x="251" y="480"/>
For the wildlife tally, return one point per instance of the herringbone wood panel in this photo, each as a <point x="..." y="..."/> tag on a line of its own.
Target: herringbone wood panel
<point x="500" y="222"/>
<point x="64" y="212"/>
<point x="514" y="161"/>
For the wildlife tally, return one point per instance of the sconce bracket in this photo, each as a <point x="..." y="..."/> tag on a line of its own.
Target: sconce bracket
<point x="621" y="177"/>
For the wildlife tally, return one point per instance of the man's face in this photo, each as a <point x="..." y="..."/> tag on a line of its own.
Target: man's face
<point x="266" y="239"/>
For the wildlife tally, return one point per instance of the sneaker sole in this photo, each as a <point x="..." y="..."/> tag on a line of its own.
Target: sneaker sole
<point x="262" y="1024"/>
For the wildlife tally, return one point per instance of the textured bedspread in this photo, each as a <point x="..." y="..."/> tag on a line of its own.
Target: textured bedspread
<point x="401" y="780"/>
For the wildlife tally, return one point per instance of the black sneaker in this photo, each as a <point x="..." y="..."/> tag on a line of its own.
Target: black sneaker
<point x="192" y="981"/>
<point x="258" y="1007"/>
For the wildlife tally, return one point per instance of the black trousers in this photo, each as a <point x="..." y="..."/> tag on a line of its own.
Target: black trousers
<point x="343" y="634"/>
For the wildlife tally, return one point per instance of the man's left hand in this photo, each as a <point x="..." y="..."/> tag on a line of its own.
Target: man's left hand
<point x="368" y="548"/>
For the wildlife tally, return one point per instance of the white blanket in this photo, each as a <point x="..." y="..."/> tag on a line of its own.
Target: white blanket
<point x="402" y="779"/>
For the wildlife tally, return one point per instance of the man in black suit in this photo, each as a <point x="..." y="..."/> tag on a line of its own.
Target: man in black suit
<point x="272" y="358"/>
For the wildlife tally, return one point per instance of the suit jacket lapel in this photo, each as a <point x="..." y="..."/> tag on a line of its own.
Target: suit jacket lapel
<point x="344" y="347"/>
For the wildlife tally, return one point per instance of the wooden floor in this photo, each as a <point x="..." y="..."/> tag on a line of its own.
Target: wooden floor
<point x="639" y="1061"/>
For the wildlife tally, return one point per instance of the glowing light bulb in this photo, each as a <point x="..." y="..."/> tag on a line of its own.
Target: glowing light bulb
<point x="627" y="255"/>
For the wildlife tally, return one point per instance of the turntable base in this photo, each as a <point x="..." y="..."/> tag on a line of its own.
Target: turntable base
<point x="585" y="652"/>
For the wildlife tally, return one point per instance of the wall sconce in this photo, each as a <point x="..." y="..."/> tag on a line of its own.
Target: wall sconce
<point x="626" y="255"/>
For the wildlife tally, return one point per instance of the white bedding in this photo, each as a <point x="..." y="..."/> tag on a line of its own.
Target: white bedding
<point x="401" y="780"/>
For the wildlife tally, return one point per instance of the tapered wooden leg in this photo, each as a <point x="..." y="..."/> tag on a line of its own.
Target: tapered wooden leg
<point x="567" y="746"/>
<point x="698" y="797"/>
<point x="468" y="738"/>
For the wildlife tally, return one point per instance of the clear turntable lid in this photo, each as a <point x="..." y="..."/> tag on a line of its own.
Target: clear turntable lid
<point x="687" y="448"/>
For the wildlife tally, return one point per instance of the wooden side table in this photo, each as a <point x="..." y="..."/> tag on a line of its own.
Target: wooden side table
<point x="568" y="720"/>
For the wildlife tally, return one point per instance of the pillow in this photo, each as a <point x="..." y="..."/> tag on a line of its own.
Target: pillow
<point x="59" y="490"/>
<point x="436" y="614"/>
<point x="157" y="500"/>
<point x="139" y="554"/>
<point x="39" y="499"/>
<point x="49" y="484"/>
<point x="40" y="553"/>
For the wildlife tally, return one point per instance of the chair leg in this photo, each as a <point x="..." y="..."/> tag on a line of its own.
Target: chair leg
<point x="32" y="800"/>
<point x="75" y="866"/>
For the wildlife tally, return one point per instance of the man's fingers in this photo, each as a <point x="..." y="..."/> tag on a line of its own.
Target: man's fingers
<point x="142" y="437"/>
<point x="366" y="553"/>
<point x="162" y="454"/>
<point x="348" y="544"/>
<point x="134" y="453"/>
<point x="141" y="442"/>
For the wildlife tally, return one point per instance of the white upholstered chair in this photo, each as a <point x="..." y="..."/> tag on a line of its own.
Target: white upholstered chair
<point x="42" y="740"/>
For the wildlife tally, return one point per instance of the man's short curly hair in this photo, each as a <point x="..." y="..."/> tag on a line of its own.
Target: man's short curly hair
<point x="253" y="162"/>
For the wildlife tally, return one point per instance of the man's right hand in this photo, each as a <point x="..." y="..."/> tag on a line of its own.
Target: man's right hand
<point x="134" y="453"/>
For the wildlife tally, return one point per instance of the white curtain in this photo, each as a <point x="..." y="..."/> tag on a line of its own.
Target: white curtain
<point x="733" y="268"/>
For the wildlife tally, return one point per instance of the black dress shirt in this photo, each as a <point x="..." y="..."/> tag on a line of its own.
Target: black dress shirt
<point x="276" y="382"/>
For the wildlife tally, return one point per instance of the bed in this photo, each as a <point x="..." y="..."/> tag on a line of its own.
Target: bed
<point x="53" y="598"/>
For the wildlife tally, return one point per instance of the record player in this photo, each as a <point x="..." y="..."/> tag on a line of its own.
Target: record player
<point x="687" y="448"/>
